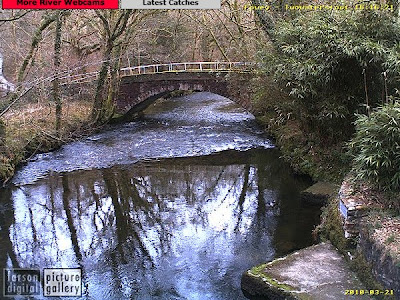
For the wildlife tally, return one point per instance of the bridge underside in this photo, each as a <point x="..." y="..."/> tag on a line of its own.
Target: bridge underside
<point x="136" y="93"/>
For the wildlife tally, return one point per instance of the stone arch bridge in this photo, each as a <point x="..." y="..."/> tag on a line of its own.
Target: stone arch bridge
<point x="141" y="86"/>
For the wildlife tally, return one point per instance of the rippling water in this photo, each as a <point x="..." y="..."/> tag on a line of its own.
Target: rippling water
<point x="195" y="125"/>
<point x="175" y="206"/>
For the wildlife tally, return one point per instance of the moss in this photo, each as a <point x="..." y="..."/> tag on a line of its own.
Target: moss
<point x="364" y="272"/>
<point x="282" y="289"/>
<point x="331" y="226"/>
<point x="390" y="239"/>
<point x="259" y="271"/>
<point x="278" y="285"/>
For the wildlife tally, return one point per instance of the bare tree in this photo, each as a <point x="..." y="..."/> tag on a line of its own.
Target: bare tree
<point x="57" y="62"/>
<point x="117" y="27"/>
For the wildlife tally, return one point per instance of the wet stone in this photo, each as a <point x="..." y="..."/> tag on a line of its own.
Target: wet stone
<point x="314" y="273"/>
<point x="319" y="193"/>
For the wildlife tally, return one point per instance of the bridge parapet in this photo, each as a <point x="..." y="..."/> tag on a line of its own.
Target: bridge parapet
<point x="187" y="67"/>
<point x="142" y="85"/>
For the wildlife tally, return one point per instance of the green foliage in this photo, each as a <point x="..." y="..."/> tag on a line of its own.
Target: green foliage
<point x="321" y="58"/>
<point x="376" y="147"/>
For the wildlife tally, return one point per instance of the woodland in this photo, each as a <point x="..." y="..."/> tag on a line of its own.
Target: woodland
<point x="326" y="82"/>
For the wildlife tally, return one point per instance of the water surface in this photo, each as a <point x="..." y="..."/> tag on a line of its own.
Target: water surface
<point x="175" y="206"/>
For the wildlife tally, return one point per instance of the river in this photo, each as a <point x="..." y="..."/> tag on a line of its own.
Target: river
<point x="176" y="205"/>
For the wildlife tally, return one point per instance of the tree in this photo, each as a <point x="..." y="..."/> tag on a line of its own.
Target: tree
<point x="57" y="62"/>
<point x="332" y="62"/>
<point x="114" y="24"/>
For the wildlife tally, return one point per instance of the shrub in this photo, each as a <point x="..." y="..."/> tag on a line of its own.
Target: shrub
<point x="376" y="147"/>
<point x="326" y="60"/>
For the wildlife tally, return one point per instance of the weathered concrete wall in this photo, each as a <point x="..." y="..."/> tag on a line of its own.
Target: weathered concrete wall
<point x="384" y="268"/>
<point x="318" y="272"/>
<point x="135" y="90"/>
<point x="359" y="226"/>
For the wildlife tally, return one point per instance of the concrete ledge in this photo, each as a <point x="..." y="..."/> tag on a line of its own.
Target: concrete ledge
<point x="319" y="193"/>
<point x="314" y="273"/>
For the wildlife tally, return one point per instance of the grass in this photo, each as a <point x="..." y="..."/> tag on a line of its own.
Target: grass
<point x="30" y="129"/>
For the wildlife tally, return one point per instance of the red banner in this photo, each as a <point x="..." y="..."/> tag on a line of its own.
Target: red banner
<point x="60" y="4"/>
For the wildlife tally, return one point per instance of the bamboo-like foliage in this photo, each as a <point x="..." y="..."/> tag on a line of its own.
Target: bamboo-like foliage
<point x="336" y="64"/>
<point x="376" y="147"/>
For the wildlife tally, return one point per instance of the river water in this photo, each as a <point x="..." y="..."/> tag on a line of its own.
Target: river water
<point x="174" y="206"/>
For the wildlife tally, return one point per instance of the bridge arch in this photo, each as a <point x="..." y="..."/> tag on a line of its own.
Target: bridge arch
<point x="141" y="86"/>
<point x="136" y="96"/>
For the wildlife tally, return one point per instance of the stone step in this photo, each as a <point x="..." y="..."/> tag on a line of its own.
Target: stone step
<point x="319" y="193"/>
<point x="314" y="273"/>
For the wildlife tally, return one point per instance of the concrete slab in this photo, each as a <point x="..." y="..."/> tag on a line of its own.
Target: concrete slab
<point x="319" y="192"/>
<point x="314" y="273"/>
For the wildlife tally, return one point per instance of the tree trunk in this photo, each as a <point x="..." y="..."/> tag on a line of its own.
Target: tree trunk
<point x="2" y="135"/>
<point x="97" y="111"/>
<point x="57" y="63"/>
<point x="114" y="82"/>
<point x="47" y="20"/>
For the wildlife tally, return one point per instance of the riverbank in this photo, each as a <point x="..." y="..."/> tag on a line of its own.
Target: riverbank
<point x="299" y="148"/>
<point x="30" y="129"/>
<point x="374" y="252"/>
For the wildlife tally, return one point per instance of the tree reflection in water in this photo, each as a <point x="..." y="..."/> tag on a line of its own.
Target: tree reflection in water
<point x="171" y="229"/>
